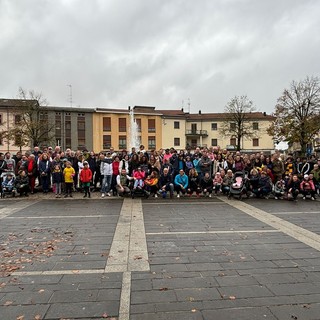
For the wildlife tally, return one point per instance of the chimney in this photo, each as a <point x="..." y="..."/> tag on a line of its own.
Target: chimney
<point x="264" y="113"/>
<point x="182" y="109"/>
<point x="199" y="111"/>
<point x="129" y="108"/>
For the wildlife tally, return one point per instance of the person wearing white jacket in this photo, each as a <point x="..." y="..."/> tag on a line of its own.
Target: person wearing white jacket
<point x="106" y="172"/>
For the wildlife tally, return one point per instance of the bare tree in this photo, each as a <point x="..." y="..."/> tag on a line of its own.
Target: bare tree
<point x="32" y="127"/>
<point x="237" y="122"/>
<point x="298" y="113"/>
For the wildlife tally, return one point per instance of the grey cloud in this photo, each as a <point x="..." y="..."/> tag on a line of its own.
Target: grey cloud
<point x="117" y="53"/>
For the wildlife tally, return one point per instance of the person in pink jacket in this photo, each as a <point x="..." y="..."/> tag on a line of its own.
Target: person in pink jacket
<point x="138" y="176"/>
<point x="307" y="187"/>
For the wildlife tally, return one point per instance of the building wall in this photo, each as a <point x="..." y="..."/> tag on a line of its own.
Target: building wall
<point x="169" y="133"/>
<point x="98" y="132"/>
<point x="7" y="123"/>
<point x="265" y="140"/>
<point x="7" y="116"/>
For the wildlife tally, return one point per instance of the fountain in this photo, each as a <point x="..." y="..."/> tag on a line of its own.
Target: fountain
<point x="133" y="131"/>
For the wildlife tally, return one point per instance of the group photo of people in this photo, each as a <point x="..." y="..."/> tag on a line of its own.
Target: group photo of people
<point x="165" y="173"/>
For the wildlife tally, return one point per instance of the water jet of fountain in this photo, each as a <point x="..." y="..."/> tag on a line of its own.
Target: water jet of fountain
<point x="134" y="129"/>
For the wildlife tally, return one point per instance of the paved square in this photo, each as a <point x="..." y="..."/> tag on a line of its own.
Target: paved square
<point x="159" y="259"/>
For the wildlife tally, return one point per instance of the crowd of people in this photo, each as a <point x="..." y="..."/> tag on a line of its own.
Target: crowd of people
<point x="163" y="173"/>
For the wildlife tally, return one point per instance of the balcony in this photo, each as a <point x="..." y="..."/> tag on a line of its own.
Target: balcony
<point x="196" y="133"/>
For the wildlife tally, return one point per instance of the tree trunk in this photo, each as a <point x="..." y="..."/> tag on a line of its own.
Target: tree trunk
<point x="238" y="143"/>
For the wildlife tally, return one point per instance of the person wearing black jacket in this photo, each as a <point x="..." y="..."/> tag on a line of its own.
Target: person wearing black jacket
<point x="293" y="188"/>
<point x="264" y="186"/>
<point x="3" y="166"/>
<point x="21" y="183"/>
<point x="166" y="183"/>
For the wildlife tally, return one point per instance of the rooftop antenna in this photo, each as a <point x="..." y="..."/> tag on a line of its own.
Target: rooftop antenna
<point x="182" y="104"/>
<point x="70" y="94"/>
<point x="189" y="105"/>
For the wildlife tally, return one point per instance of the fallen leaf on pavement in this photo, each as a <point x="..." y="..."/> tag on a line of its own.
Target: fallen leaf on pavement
<point x="232" y="298"/>
<point x="37" y="317"/>
<point x="75" y="271"/>
<point x="41" y="290"/>
<point x="105" y="315"/>
<point x="194" y="310"/>
<point x="20" y="317"/>
<point x="163" y="289"/>
<point x="8" y="303"/>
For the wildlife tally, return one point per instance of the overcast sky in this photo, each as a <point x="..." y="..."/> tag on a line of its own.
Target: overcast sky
<point x="117" y="53"/>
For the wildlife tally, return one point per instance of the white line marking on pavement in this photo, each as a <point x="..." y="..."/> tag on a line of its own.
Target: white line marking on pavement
<point x="211" y="232"/>
<point x="58" y="217"/>
<point x="57" y="272"/>
<point x="124" y="309"/>
<point x="309" y="238"/>
<point x="15" y="207"/>
<point x="297" y="212"/>
<point x="128" y="250"/>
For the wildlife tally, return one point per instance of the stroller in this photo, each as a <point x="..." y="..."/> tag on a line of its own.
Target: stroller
<point x="7" y="185"/>
<point x="239" y="186"/>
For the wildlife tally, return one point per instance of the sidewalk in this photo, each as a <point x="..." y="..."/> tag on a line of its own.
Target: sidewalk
<point x="159" y="259"/>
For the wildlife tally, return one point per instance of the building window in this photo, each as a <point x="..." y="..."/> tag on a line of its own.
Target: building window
<point x="106" y="123"/>
<point x="255" y="125"/>
<point x="151" y="125"/>
<point x="176" y="142"/>
<point x="81" y="124"/>
<point x="138" y="122"/>
<point x="58" y="129"/>
<point x="233" y="141"/>
<point x="122" y="124"/>
<point x="106" y="142"/>
<point x="214" y="142"/>
<point x="17" y="118"/>
<point x="233" y="126"/>
<point x="67" y="125"/>
<point x="176" y="124"/>
<point x="151" y="142"/>
<point x="122" y="142"/>
<point x="214" y="126"/>
<point x="255" y="142"/>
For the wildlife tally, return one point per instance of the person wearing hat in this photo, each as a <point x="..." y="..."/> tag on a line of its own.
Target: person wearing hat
<point x="85" y="179"/>
<point x="307" y="187"/>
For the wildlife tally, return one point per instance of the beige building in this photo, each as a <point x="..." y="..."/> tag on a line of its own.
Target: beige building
<point x="111" y="128"/>
<point x="173" y="129"/>
<point x="203" y="129"/>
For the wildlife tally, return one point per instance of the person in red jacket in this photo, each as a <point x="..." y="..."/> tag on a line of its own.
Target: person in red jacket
<point x="85" y="179"/>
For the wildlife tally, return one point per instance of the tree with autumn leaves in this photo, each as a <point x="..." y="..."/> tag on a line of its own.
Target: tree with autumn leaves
<point x="297" y="113"/>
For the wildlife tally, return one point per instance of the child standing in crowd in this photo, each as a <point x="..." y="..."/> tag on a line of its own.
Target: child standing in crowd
<point x="85" y="178"/>
<point x="68" y="174"/>
<point x="57" y="179"/>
